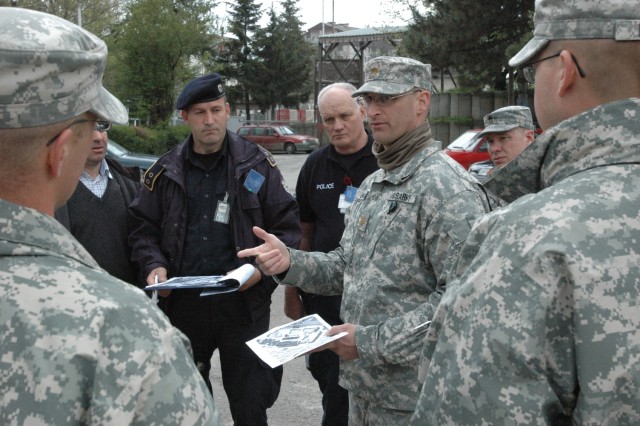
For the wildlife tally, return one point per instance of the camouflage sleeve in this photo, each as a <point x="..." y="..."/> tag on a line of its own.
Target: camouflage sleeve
<point x="400" y="339"/>
<point x="522" y="337"/>
<point x="316" y="272"/>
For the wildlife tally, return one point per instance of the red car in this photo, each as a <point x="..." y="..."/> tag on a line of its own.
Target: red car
<point x="276" y="137"/>
<point x="468" y="148"/>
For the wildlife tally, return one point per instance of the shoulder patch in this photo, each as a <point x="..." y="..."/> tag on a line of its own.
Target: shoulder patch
<point x="152" y="174"/>
<point x="270" y="159"/>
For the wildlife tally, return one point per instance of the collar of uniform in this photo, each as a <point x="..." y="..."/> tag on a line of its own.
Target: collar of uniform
<point x="192" y="158"/>
<point x="571" y="146"/>
<point x="404" y="172"/>
<point x="36" y="233"/>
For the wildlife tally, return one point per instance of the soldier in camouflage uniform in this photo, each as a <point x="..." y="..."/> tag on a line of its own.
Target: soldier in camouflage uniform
<point x="541" y="323"/>
<point x="78" y="346"/>
<point x="402" y="232"/>
<point x="509" y="131"/>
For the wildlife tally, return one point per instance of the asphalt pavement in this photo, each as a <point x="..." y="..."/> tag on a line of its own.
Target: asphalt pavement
<point x="299" y="402"/>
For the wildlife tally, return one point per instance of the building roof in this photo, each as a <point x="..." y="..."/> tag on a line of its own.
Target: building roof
<point x="333" y="27"/>
<point x="362" y="34"/>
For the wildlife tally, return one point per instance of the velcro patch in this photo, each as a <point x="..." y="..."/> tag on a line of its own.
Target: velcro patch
<point x="402" y="197"/>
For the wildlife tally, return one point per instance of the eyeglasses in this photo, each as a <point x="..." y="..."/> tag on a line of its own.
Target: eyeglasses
<point x="103" y="126"/>
<point x="383" y="100"/>
<point x="82" y="120"/>
<point x="529" y="71"/>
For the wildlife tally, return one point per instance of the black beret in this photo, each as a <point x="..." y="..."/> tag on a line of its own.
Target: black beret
<point x="205" y="88"/>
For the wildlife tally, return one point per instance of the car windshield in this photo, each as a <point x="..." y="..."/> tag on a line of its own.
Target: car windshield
<point x="116" y="148"/>
<point x="465" y="141"/>
<point x="284" y="130"/>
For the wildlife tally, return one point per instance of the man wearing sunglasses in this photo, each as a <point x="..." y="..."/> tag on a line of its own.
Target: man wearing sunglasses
<point x="78" y="346"/>
<point x="402" y="232"/>
<point x="540" y="324"/>
<point x="97" y="215"/>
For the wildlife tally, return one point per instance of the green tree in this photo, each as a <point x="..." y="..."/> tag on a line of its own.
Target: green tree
<point x="285" y="61"/>
<point x="238" y="59"/>
<point x="269" y="46"/>
<point x="470" y="36"/>
<point x="154" y="52"/>
<point x="295" y="83"/>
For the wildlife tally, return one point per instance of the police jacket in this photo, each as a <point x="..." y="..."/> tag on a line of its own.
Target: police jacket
<point x="160" y="212"/>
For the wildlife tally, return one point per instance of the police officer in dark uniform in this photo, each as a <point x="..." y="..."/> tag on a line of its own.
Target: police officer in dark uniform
<point x="195" y="211"/>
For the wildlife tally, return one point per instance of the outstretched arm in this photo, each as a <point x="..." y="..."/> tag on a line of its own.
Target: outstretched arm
<point x="272" y="256"/>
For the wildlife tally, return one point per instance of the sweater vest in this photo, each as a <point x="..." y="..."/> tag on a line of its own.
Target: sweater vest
<point x="100" y="224"/>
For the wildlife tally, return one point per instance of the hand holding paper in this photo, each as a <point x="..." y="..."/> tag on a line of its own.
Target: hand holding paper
<point x="210" y="285"/>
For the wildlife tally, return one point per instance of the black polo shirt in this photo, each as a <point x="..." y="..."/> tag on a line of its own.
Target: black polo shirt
<point x="323" y="177"/>
<point x="208" y="246"/>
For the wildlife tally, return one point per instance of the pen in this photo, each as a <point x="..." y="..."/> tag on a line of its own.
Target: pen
<point x="424" y="324"/>
<point x="154" y="294"/>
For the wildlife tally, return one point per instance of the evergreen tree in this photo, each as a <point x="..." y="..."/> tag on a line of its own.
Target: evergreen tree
<point x="296" y="81"/>
<point x="238" y="59"/>
<point x="269" y="45"/>
<point x="285" y="61"/>
<point x="470" y="36"/>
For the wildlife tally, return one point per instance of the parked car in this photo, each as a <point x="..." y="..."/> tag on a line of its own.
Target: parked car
<point x="482" y="170"/>
<point x="128" y="158"/>
<point x="278" y="138"/>
<point x="468" y="148"/>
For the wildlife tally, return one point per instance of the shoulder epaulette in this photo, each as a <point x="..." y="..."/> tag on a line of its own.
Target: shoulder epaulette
<point x="152" y="174"/>
<point x="270" y="159"/>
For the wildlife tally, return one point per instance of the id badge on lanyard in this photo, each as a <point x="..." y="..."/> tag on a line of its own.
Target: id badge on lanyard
<point x="346" y="198"/>
<point x="223" y="210"/>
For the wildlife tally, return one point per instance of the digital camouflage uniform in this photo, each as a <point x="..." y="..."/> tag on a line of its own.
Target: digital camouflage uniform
<point x="81" y="347"/>
<point x="541" y="321"/>
<point x="77" y="346"/>
<point x="402" y="231"/>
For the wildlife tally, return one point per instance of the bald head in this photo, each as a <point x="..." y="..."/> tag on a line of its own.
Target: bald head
<point x="342" y="117"/>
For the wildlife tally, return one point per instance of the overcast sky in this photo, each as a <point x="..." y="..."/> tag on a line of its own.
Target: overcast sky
<point x="356" y="13"/>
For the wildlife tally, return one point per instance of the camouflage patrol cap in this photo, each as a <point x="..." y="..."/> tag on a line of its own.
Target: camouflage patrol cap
<point x="507" y="118"/>
<point x="580" y="19"/>
<point x="51" y="71"/>
<point x="392" y="75"/>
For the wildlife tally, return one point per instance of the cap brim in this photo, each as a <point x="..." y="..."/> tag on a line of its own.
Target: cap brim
<point x="107" y="107"/>
<point x="497" y="129"/>
<point x="382" y="87"/>
<point x="535" y="45"/>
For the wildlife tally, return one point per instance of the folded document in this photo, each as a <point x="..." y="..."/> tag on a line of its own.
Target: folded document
<point x="210" y="284"/>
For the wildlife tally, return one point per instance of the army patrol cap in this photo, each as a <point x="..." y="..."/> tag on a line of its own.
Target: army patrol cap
<point x="205" y="88"/>
<point x="580" y="19"/>
<point x="51" y="71"/>
<point x="392" y="75"/>
<point x="507" y="118"/>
